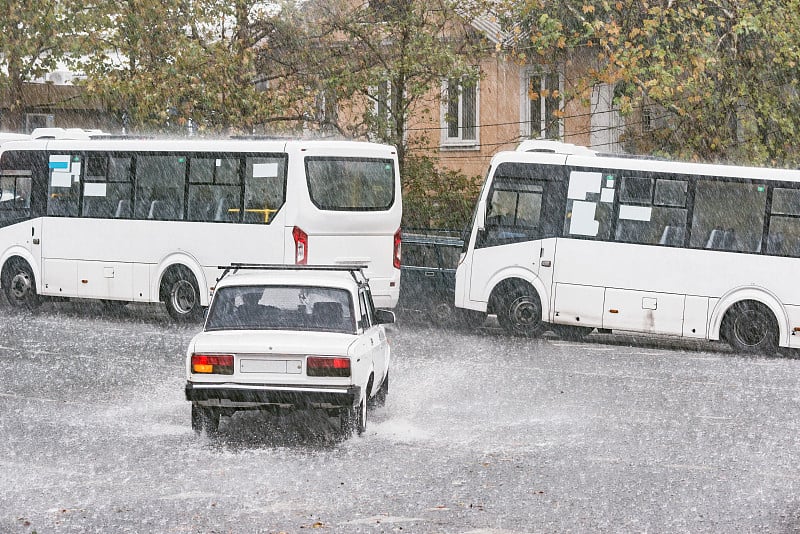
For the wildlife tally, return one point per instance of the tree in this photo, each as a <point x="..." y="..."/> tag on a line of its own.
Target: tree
<point x="171" y="64"/>
<point x="33" y="40"/>
<point x="382" y="61"/>
<point x="707" y="79"/>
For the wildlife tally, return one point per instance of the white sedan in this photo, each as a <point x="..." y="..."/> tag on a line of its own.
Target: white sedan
<point x="281" y="338"/>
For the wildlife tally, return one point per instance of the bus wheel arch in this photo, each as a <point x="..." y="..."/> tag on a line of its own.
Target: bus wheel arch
<point x="518" y="307"/>
<point x="750" y="326"/>
<point x="180" y="293"/>
<point x="19" y="283"/>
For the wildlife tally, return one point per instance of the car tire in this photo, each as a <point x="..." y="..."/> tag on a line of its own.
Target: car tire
<point x="520" y="312"/>
<point x="750" y="327"/>
<point x="380" y="397"/>
<point x="353" y="419"/>
<point x="181" y="295"/>
<point x="205" y="418"/>
<point x="20" y="286"/>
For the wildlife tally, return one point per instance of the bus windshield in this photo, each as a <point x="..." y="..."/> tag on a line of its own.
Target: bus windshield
<point x="350" y="183"/>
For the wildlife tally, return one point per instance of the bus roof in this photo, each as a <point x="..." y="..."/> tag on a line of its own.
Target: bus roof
<point x="195" y="145"/>
<point x="603" y="161"/>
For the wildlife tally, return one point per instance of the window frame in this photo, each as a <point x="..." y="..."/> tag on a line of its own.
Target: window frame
<point x="459" y="142"/>
<point x="526" y="128"/>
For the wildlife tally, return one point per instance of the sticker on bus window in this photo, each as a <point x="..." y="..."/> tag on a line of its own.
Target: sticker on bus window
<point x="94" y="190"/>
<point x="607" y="195"/>
<point x="635" y="213"/>
<point x="265" y="170"/>
<point x="61" y="179"/>
<point x="582" y="221"/>
<point x="583" y="183"/>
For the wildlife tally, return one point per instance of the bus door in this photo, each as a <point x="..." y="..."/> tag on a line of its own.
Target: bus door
<point x="524" y="209"/>
<point x="22" y="200"/>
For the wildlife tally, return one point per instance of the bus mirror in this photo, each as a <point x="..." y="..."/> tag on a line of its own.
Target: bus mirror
<point x="480" y="217"/>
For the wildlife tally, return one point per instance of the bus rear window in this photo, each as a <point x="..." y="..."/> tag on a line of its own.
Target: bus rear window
<point x="351" y="184"/>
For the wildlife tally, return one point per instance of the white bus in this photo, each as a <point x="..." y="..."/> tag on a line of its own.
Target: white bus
<point x="137" y="220"/>
<point x="569" y="240"/>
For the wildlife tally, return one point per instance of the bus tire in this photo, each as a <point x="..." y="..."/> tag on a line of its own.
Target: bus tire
<point x="180" y="294"/>
<point x="519" y="311"/>
<point x="20" y="285"/>
<point x="750" y="327"/>
<point x="571" y="332"/>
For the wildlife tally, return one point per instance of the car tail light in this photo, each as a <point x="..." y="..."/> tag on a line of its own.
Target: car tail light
<point x="300" y="246"/>
<point x="217" y="364"/>
<point x="397" y="242"/>
<point x="321" y="366"/>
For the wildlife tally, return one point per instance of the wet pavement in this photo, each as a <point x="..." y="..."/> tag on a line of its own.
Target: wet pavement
<point x="481" y="433"/>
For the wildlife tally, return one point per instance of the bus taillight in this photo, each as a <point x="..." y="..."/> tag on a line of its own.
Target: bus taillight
<point x="300" y="246"/>
<point x="397" y="242"/>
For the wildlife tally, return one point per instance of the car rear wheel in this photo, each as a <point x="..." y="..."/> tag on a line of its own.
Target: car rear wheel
<point x="380" y="397"/>
<point x="204" y="418"/>
<point x="353" y="419"/>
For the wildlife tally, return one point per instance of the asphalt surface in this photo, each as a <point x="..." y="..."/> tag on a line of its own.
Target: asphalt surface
<point x="481" y="433"/>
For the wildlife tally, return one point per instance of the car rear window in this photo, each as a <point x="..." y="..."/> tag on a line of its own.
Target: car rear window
<point x="324" y="309"/>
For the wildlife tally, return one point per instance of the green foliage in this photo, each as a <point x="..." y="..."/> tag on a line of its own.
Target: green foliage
<point x="34" y="35"/>
<point x="437" y="198"/>
<point x="707" y="79"/>
<point x="162" y="63"/>
<point x="383" y="60"/>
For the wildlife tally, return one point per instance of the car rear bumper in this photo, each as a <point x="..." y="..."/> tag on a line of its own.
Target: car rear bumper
<point x="249" y="395"/>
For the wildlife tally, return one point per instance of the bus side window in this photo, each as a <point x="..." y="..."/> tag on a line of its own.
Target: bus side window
<point x="159" y="187"/>
<point x="728" y="216"/>
<point x="264" y="189"/>
<point x="651" y="210"/>
<point x="106" y="188"/>
<point x="784" y="223"/>
<point x="513" y="211"/>
<point x="64" y="190"/>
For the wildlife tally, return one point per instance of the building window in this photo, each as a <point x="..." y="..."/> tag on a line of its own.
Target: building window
<point x="384" y="97"/>
<point x="460" y="114"/>
<point x="541" y="104"/>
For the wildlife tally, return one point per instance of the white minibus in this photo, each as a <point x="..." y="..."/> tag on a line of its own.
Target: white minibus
<point x="150" y="220"/>
<point x="569" y="240"/>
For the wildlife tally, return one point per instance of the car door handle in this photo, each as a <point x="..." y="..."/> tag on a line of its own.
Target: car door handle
<point x="430" y="273"/>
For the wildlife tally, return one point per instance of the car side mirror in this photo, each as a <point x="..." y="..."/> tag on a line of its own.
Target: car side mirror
<point x="384" y="316"/>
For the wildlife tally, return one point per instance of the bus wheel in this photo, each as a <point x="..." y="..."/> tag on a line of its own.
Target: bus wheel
<point x="180" y="294"/>
<point x="750" y="327"/>
<point x="19" y="285"/>
<point x="570" y="332"/>
<point x="519" y="312"/>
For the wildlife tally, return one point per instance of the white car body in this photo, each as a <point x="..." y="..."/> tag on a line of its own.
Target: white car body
<point x="273" y="348"/>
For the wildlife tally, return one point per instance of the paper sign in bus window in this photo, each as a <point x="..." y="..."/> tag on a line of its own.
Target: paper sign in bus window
<point x="94" y="190"/>
<point x="265" y="170"/>
<point x="582" y="221"/>
<point x="635" y="213"/>
<point x="583" y="183"/>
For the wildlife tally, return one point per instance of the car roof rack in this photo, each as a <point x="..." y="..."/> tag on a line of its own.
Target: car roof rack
<point x="352" y="269"/>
